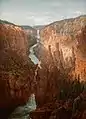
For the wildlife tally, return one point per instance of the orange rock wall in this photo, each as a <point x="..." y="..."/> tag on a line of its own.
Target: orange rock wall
<point x="69" y="33"/>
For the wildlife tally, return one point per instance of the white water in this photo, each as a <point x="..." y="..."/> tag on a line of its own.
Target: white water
<point x="22" y="112"/>
<point x="32" y="56"/>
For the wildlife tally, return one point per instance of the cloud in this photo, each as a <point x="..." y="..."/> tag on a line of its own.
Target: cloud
<point x="78" y="13"/>
<point x="30" y="12"/>
<point x="38" y="18"/>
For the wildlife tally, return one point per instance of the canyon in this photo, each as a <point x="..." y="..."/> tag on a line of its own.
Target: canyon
<point x="59" y="50"/>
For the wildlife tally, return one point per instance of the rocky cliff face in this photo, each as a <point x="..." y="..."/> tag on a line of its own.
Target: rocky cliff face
<point x="14" y="66"/>
<point x="70" y="34"/>
<point x="12" y="36"/>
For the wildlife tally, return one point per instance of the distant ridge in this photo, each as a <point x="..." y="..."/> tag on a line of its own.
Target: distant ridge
<point x="39" y="27"/>
<point x="24" y="27"/>
<point x="27" y="27"/>
<point x="6" y="22"/>
<point x="68" y="19"/>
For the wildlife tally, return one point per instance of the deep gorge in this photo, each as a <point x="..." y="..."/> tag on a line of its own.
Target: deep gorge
<point x="57" y="75"/>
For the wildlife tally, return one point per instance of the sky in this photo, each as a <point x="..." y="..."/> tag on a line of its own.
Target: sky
<point x="40" y="12"/>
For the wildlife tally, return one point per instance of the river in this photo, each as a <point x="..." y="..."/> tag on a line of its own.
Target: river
<point x="22" y="112"/>
<point x="32" y="56"/>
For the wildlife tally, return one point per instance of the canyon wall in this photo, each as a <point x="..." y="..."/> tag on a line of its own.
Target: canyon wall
<point x="15" y="66"/>
<point x="70" y="34"/>
<point x="14" y="38"/>
<point x="62" y="52"/>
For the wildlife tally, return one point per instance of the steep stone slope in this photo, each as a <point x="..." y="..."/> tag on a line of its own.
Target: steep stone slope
<point x="71" y="36"/>
<point x="12" y="36"/>
<point x="15" y="66"/>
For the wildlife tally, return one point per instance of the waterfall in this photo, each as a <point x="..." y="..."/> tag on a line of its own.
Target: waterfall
<point x="38" y="34"/>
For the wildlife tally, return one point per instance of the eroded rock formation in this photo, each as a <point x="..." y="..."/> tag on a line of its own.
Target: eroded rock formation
<point x="15" y="70"/>
<point x="71" y="36"/>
